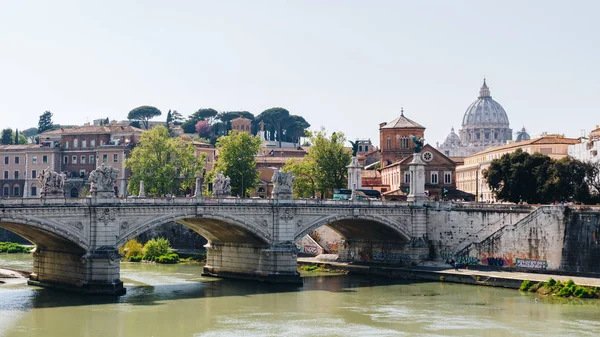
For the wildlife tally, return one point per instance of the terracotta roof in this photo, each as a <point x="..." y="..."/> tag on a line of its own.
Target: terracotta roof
<point x="402" y="123"/>
<point x="19" y="147"/>
<point x="89" y="129"/>
<point x="535" y="141"/>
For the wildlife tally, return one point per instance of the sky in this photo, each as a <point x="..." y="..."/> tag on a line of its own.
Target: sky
<point x="343" y="65"/>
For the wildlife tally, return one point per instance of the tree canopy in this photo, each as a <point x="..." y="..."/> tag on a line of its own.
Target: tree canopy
<point x="45" y="122"/>
<point x="323" y="169"/>
<point x="143" y="114"/>
<point x="165" y="164"/>
<point x="520" y="176"/>
<point x="236" y="160"/>
<point x="276" y="117"/>
<point x="7" y="136"/>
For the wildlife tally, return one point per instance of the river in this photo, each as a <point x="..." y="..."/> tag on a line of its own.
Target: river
<point x="175" y="300"/>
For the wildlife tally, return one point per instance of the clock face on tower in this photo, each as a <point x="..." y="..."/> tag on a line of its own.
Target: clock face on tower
<point x="427" y="156"/>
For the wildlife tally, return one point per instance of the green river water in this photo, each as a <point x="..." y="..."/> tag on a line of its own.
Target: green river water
<point x="175" y="300"/>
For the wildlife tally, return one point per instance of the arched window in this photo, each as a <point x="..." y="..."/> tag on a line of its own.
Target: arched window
<point x="16" y="190"/>
<point x="6" y="190"/>
<point x="75" y="142"/>
<point x="388" y="143"/>
<point x="67" y="144"/>
<point x="74" y="192"/>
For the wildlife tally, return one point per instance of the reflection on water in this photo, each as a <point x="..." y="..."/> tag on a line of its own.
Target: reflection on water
<point x="174" y="300"/>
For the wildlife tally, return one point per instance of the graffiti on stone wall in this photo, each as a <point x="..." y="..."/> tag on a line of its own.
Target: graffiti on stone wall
<point x="333" y="247"/>
<point x="447" y="255"/>
<point x="531" y="264"/>
<point x="467" y="260"/>
<point x="391" y="257"/>
<point x="307" y="249"/>
<point x="495" y="261"/>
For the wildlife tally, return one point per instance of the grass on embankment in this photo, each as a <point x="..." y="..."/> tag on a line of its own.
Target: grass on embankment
<point x="556" y="288"/>
<point x="322" y="268"/>
<point x="11" y="247"/>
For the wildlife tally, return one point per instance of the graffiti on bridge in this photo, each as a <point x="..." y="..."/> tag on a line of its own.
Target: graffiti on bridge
<point x="495" y="261"/>
<point x="391" y="257"/>
<point x="333" y="247"/>
<point x="531" y="264"/>
<point x="467" y="260"/>
<point x="308" y="249"/>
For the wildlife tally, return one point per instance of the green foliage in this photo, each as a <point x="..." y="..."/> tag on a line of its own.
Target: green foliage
<point x="166" y="165"/>
<point x="84" y="192"/>
<point x="7" y="136"/>
<point x="324" y="168"/>
<point x="11" y="247"/>
<point x="136" y="258"/>
<point x="537" y="178"/>
<point x="131" y="249"/>
<point x="236" y="160"/>
<point x="556" y="288"/>
<point x="155" y="248"/>
<point x="275" y="117"/>
<point x="19" y="138"/>
<point x="135" y="124"/>
<point x="167" y="258"/>
<point x="143" y="114"/>
<point x="45" y="122"/>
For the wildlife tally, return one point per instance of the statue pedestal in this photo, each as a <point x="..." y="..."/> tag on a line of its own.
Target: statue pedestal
<point x="416" y="168"/>
<point x="283" y="186"/>
<point x="354" y="175"/>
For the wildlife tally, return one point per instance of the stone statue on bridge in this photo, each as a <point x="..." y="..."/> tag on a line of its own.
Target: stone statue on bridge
<point x="221" y="186"/>
<point x="283" y="185"/>
<point x="52" y="184"/>
<point x="103" y="180"/>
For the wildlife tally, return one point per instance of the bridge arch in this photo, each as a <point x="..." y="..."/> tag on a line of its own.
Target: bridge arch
<point x="370" y="227"/>
<point x="216" y="228"/>
<point x="47" y="234"/>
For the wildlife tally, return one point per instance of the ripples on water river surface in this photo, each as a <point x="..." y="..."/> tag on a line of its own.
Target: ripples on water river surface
<point x="175" y="300"/>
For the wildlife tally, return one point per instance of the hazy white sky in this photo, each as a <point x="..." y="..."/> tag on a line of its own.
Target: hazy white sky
<point x="344" y="65"/>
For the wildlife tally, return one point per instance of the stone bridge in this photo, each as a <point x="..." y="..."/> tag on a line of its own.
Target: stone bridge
<point x="77" y="240"/>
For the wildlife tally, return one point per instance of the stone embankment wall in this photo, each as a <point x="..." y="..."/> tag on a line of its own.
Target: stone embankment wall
<point x="581" y="248"/>
<point x="451" y="228"/>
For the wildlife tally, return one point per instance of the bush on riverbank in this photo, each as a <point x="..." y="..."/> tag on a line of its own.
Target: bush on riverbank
<point x="131" y="250"/>
<point x="11" y="247"/>
<point x="557" y="288"/>
<point x="320" y="269"/>
<point x="156" y="248"/>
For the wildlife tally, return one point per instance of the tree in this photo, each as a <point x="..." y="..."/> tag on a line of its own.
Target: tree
<point x="7" y="136"/>
<point x="106" y="121"/>
<point x="189" y="126"/>
<point x="135" y="124"/>
<point x="275" y="117"/>
<point x="19" y="138"/>
<point x="295" y="128"/>
<point x="143" y="114"/>
<point x="169" y="119"/>
<point x="166" y="165"/>
<point x="323" y="169"/>
<point x="203" y="129"/>
<point x="236" y="160"/>
<point x="305" y="176"/>
<point x="176" y="117"/>
<point x="537" y="178"/>
<point x="45" y="122"/>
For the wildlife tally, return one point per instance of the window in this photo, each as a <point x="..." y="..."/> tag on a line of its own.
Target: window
<point x="115" y="158"/>
<point x="44" y="159"/>
<point x="83" y="159"/>
<point x="65" y="159"/>
<point x="388" y="143"/>
<point x="360" y="148"/>
<point x="366" y="148"/>
<point x="33" y="191"/>
<point x="105" y="158"/>
<point x="83" y="143"/>
<point x="407" y="177"/>
<point x="66" y="144"/>
<point x="16" y="190"/>
<point x="92" y="143"/>
<point x="447" y="177"/>
<point x="82" y="173"/>
<point x="5" y="174"/>
<point x="91" y="158"/>
<point x="434" y="177"/>
<point x="33" y="174"/>
<point x="17" y="160"/>
<point x="75" y="143"/>
<point x="16" y="174"/>
<point x="6" y="160"/>
<point x="34" y="160"/>
<point x="73" y="159"/>
<point x="6" y="190"/>
<point x="404" y="142"/>
<point x="101" y="142"/>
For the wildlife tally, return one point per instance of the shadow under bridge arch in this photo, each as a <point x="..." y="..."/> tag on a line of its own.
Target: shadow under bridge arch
<point x="216" y="228"/>
<point x="361" y="227"/>
<point x="48" y="234"/>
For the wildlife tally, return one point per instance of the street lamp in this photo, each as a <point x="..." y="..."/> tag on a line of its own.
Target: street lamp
<point x="242" y="173"/>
